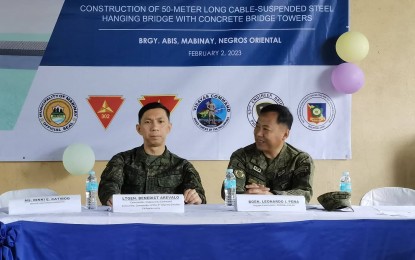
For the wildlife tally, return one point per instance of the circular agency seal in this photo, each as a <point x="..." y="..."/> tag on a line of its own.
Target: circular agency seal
<point x="58" y="113"/>
<point x="316" y="111"/>
<point x="258" y="102"/>
<point x="211" y="112"/>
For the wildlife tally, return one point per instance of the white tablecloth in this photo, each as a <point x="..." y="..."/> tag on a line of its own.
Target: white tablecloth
<point x="214" y="214"/>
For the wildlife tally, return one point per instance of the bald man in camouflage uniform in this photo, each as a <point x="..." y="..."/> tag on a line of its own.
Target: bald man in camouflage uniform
<point x="271" y="166"/>
<point x="151" y="168"/>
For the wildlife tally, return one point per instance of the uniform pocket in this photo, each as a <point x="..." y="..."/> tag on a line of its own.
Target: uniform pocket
<point x="170" y="181"/>
<point x="132" y="176"/>
<point x="282" y="183"/>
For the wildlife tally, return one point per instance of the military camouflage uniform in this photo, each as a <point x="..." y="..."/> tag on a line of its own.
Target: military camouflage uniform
<point x="291" y="173"/>
<point x="135" y="172"/>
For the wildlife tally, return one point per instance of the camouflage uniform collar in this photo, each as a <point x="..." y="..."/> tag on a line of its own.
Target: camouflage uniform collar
<point x="258" y="157"/>
<point x="283" y="149"/>
<point x="281" y="158"/>
<point x="142" y="155"/>
<point x="261" y="160"/>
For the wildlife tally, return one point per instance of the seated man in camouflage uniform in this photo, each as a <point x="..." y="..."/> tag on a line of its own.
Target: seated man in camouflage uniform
<point x="271" y="166"/>
<point x="151" y="168"/>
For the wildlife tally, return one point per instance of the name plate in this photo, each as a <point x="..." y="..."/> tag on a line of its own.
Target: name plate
<point x="285" y="203"/>
<point x="137" y="203"/>
<point x="45" y="204"/>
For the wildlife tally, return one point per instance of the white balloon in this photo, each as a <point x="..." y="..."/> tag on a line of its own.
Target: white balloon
<point x="78" y="159"/>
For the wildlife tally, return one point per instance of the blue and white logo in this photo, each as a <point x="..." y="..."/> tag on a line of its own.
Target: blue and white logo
<point x="211" y="112"/>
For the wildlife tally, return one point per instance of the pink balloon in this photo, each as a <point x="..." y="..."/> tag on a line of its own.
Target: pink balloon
<point x="347" y="78"/>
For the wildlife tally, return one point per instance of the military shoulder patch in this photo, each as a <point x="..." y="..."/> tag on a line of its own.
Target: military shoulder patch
<point x="239" y="174"/>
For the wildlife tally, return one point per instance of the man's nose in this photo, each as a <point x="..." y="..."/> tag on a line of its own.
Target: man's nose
<point x="154" y="127"/>
<point x="258" y="132"/>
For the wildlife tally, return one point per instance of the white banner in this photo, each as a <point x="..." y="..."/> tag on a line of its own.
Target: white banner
<point x="101" y="66"/>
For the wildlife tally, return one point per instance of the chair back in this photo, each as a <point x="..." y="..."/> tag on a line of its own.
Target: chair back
<point x="389" y="196"/>
<point x="24" y="193"/>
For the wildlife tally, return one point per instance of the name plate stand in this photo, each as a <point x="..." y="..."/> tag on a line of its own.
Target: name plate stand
<point x="283" y="203"/>
<point x="136" y="203"/>
<point x="45" y="204"/>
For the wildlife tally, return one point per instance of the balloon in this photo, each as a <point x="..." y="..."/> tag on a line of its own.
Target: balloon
<point x="347" y="78"/>
<point x="352" y="46"/>
<point x="78" y="159"/>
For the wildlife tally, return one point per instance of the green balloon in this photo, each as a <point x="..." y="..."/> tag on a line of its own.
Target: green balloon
<point x="78" y="159"/>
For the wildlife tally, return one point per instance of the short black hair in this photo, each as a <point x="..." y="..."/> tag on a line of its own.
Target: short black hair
<point x="152" y="105"/>
<point x="284" y="115"/>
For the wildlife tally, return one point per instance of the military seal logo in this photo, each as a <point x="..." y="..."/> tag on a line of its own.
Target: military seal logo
<point x="316" y="111"/>
<point x="258" y="102"/>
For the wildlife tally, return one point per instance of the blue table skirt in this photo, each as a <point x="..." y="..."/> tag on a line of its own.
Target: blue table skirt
<point x="317" y="239"/>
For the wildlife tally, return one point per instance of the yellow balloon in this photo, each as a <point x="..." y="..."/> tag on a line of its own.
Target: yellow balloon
<point x="352" y="46"/>
<point x="78" y="159"/>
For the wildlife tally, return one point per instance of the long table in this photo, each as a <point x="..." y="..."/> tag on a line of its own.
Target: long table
<point x="212" y="232"/>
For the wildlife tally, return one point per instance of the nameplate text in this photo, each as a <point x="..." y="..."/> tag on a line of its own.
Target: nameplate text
<point x="135" y="203"/>
<point x="45" y="204"/>
<point x="246" y="202"/>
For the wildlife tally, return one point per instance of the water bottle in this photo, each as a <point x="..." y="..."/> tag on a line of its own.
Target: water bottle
<point x="91" y="191"/>
<point x="346" y="182"/>
<point x="230" y="188"/>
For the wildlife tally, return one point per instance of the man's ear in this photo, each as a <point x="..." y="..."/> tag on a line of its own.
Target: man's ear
<point x="286" y="134"/>
<point x="170" y="126"/>
<point x="138" y="128"/>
